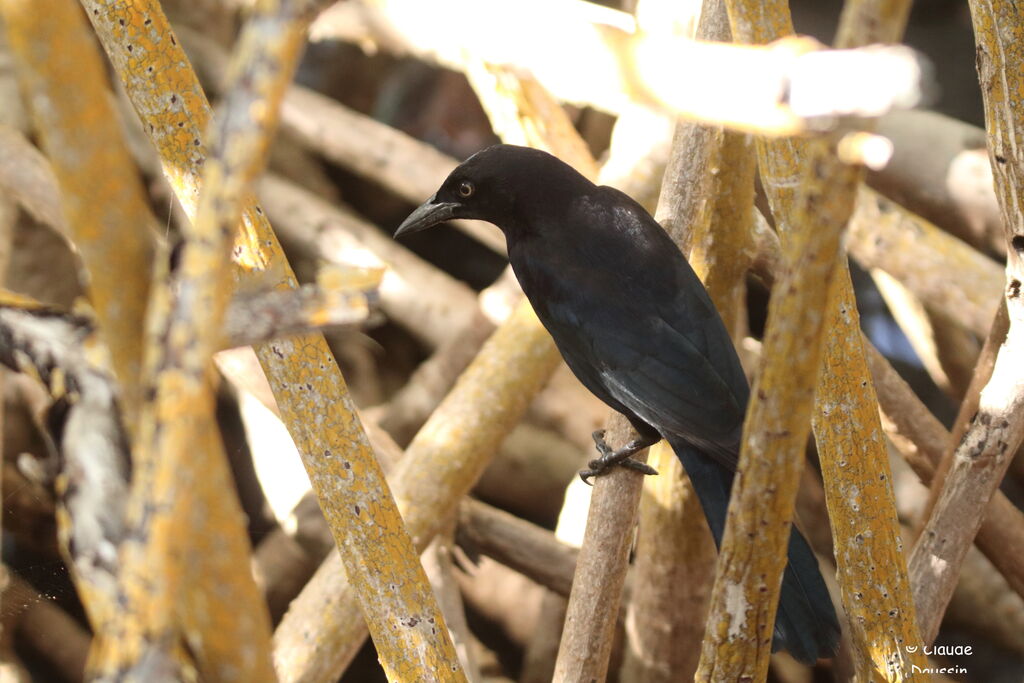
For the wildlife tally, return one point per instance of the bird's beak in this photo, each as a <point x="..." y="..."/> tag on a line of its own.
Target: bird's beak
<point x="427" y="215"/>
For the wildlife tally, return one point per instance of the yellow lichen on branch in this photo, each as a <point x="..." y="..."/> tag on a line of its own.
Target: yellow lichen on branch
<point x="309" y="389"/>
<point x="811" y="216"/>
<point x="440" y="466"/>
<point x="172" y="602"/>
<point x="103" y="202"/>
<point x="104" y="209"/>
<point x="859" y="493"/>
<point x="851" y="446"/>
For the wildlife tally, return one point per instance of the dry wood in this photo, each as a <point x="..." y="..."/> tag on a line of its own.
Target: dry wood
<point x="529" y="476"/>
<point x="27" y="177"/>
<point x="667" y="608"/>
<point x="48" y="631"/>
<point x="1002" y="619"/>
<point x="997" y="429"/>
<point x="410" y="407"/>
<point x="943" y="272"/>
<point x="51" y="347"/>
<point x="542" y="647"/>
<point x="595" y="56"/>
<point x="593" y="609"/>
<point x="437" y="562"/>
<point x="286" y="558"/>
<point x="421" y="297"/>
<point x="940" y="171"/>
<point x="180" y="612"/>
<point x="923" y="442"/>
<point x="519" y="545"/>
<point x="343" y="297"/>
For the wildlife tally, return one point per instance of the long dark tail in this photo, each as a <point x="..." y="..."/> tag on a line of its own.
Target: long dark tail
<point x="805" y="624"/>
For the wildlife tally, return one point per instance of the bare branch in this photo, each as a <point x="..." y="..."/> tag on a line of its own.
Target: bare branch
<point x="588" y="55"/>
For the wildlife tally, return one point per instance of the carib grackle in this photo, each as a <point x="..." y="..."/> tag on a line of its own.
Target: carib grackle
<point x="636" y="326"/>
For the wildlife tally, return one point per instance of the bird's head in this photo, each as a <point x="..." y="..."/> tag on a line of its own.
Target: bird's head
<point x="502" y="184"/>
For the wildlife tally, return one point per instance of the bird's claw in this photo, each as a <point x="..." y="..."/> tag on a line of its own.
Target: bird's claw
<point x="602" y="446"/>
<point x="610" y="458"/>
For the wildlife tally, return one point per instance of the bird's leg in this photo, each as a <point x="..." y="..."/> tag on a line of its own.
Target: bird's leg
<point x="610" y="458"/>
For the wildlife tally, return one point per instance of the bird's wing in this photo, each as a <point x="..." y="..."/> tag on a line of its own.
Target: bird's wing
<point x="663" y="378"/>
<point x="659" y="343"/>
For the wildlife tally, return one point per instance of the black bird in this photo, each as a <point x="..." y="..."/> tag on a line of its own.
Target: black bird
<point x="636" y="326"/>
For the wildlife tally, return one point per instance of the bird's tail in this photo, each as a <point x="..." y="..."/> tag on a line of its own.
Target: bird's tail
<point x="805" y="624"/>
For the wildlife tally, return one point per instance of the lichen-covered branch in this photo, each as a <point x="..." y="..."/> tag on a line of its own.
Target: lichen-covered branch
<point x="859" y="492"/>
<point x="185" y="581"/>
<point x="811" y="216"/>
<point x="997" y="429"/>
<point x="103" y="202"/>
<point x="105" y="214"/>
<point x="302" y="371"/>
<point x="440" y="466"/>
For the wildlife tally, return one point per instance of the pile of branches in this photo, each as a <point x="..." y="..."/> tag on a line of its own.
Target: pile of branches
<point x="247" y="433"/>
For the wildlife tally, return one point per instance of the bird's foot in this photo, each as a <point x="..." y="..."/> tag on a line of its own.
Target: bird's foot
<point x="610" y="458"/>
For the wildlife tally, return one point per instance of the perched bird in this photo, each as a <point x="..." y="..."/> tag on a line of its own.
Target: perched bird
<point x="636" y="326"/>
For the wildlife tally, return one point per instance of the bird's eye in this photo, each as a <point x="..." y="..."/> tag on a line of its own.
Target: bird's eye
<point x="466" y="188"/>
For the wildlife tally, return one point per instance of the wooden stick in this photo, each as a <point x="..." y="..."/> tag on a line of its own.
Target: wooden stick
<point x="422" y="298"/>
<point x="944" y="272"/>
<point x="940" y="171"/>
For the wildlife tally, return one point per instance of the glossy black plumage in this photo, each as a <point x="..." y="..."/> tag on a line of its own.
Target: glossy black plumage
<point x="636" y="326"/>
